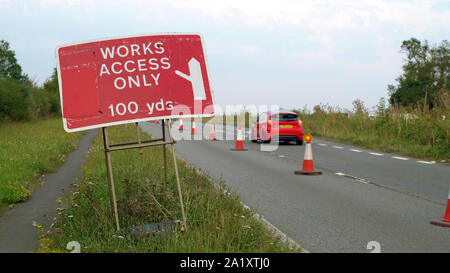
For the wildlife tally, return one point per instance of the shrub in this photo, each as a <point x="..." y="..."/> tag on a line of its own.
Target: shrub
<point x="12" y="193"/>
<point x="24" y="101"/>
<point x="13" y="103"/>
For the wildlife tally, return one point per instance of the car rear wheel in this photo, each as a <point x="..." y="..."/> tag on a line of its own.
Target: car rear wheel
<point x="299" y="142"/>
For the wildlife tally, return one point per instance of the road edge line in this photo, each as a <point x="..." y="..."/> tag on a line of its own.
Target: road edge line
<point x="268" y="225"/>
<point x="284" y="238"/>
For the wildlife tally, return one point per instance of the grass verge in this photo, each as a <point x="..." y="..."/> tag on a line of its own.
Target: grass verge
<point x="27" y="151"/>
<point x="217" y="222"/>
<point x="415" y="134"/>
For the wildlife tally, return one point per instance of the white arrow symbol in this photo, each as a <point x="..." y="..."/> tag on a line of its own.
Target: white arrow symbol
<point x="196" y="79"/>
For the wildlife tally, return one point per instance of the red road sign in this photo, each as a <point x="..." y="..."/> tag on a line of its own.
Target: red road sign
<point x="130" y="79"/>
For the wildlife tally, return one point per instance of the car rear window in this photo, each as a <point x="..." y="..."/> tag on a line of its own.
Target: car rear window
<point x="285" y="117"/>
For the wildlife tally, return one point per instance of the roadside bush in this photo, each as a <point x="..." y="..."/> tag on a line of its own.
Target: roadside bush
<point x="24" y="101"/>
<point x="12" y="193"/>
<point x="42" y="103"/>
<point x="13" y="102"/>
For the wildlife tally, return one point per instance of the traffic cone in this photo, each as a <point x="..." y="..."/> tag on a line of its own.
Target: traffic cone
<point x="239" y="141"/>
<point x="213" y="133"/>
<point x="181" y="125"/>
<point x="308" y="164"/>
<point x="446" y="221"/>
<point x="193" y="131"/>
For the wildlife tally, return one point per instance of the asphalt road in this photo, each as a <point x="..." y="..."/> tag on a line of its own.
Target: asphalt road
<point x="362" y="196"/>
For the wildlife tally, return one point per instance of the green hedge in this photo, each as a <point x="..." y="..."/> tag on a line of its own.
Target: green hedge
<point x="23" y="101"/>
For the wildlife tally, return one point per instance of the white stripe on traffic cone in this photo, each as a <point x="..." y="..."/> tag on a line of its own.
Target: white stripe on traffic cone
<point x="193" y="127"/>
<point x="212" y="136"/>
<point x="239" y="141"/>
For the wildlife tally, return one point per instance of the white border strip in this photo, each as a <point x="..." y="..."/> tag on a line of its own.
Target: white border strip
<point x="284" y="238"/>
<point x="426" y="162"/>
<point x="401" y="158"/>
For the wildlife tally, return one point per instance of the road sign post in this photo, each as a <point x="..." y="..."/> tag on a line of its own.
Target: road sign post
<point x="166" y="184"/>
<point x="112" y="192"/>
<point x="130" y="80"/>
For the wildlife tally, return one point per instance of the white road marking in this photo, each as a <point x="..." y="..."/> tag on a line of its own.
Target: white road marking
<point x="401" y="158"/>
<point x="356" y="151"/>
<point x="362" y="180"/>
<point x="426" y="162"/>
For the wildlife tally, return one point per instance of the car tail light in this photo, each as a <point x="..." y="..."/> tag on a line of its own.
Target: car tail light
<point x="300" y="122"/>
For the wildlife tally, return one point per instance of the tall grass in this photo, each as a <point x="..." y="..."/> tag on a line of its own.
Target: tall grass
<point x="411" y="132"/>
<point x="216" y="222"/>
<point x="28" y="150"/>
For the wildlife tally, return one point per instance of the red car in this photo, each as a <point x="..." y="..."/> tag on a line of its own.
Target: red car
<point x="290" y="127"/>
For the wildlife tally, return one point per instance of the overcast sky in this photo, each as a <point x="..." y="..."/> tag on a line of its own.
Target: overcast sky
<point x="289" y="53"/>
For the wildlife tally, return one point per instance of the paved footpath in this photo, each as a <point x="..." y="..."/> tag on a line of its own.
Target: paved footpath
<point x="17" y="234"/>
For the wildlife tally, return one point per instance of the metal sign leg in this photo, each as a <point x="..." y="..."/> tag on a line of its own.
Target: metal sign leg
<point x="138" y="132"/>
<point x="166" y="183"/>
<point x="112" y="193"/>
<point x="176" y="174"/>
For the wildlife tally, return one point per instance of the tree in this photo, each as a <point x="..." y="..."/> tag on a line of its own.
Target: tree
<point x="425" y="73"/>
<point x="359" y="108"/>
<point x="381" y="107"/>
<point x="51" y="84"/>
<point x="9" y="68"/>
